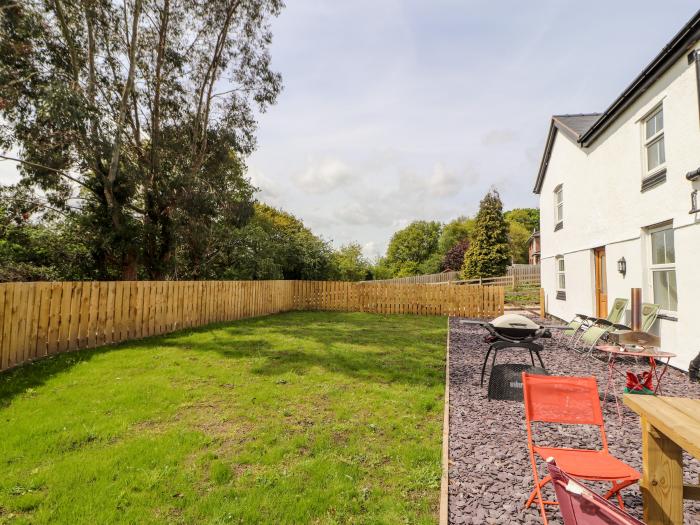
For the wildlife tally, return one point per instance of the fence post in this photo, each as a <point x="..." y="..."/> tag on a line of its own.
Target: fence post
<point x="542" y="308"/>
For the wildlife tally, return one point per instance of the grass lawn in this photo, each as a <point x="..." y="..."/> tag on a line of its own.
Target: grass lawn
<point x="297" y="418"/>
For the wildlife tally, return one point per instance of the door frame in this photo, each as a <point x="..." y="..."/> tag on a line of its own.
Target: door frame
<point x="600" y="290"/>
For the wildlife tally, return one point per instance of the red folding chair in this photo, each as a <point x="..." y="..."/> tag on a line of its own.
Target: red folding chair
<point x="573" y="401"/>
<point x="581" y="506"/>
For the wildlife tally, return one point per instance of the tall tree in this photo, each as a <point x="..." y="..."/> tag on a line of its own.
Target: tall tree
<point x="518" y="237"/>
<point x="413" y="250"/>
<point x="454" y="232"/>
<point x="528" y="217"/>
<point x="522" y="222"/>
<point x="350" y="264"/>
<point x="489" y="251"/>
<point x="273" y="245"/>
<point x="454" y="258"/>
<point x="135" y="107"/>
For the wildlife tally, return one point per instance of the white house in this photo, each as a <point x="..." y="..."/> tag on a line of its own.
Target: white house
<point x="623" y="184"/>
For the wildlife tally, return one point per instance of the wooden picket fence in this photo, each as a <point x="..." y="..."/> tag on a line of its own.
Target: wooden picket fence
<point x="417" y="299"/>
<point x="45" y="318"/>
<point x="517" y="275"/>
<point x="444" y="277"/>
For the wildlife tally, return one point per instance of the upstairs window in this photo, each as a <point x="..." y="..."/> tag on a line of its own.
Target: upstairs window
<point x="663" y="267"/>
<point x="654" y="142"/>
<point x="558" y="207"/>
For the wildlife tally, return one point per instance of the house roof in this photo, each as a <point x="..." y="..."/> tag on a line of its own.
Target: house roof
<point x="586" y="128"/>
<point x="575" y="125"/>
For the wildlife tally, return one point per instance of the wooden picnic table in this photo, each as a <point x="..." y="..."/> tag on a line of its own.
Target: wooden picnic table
<point x="669" y="426"/>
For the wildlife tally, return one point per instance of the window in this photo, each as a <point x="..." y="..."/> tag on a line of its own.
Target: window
<point x="558" y="207"/>
<point x="561" y="274"/>
<point x="654" y="142"/>
<point x="663" y="267"/>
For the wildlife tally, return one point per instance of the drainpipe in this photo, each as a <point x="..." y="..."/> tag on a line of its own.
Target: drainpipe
<point x="694" y="57"/>
<point x="636" y="309"/>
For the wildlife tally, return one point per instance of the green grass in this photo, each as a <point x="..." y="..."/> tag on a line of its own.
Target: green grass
<point x="295" y="418"/>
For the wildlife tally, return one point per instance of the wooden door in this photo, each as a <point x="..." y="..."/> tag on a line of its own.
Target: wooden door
<point x="601" y="285"/>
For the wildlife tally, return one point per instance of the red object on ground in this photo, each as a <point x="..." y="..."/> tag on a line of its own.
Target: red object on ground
<point x="581" y="506"/>
<point x="573" y="401"/>
<point x="639" y="381"/>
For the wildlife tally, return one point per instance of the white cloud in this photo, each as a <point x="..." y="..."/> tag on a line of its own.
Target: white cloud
<point x="270" y="191"/>
<point x="498" y="137"/>
<point x="443" y="183"/>
<point x="323" y="176"/>
<point x="372" y="251"/>
<point x="368" y="210"/>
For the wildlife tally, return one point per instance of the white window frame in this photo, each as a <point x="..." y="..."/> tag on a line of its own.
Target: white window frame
<point x="649" y="142"/>
<point x="559" y="206"/>
<point x="559" y="272"/>
<point x="665" y="267"/>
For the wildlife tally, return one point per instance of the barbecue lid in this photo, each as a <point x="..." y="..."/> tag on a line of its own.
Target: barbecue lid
<point x="514" y="321"/>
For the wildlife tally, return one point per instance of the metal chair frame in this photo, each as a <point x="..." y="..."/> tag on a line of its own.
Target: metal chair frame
<point x="597" y="420"/>
<point x="533" y="348"/>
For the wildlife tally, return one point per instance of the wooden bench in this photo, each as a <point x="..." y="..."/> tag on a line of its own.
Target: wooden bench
<point x="669" y="426"/>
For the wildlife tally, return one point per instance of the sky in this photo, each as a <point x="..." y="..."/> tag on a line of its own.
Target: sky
<point x="394" y="111"/>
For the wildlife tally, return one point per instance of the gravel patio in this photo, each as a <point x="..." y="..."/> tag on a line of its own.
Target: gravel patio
<point x="489" y="474"/>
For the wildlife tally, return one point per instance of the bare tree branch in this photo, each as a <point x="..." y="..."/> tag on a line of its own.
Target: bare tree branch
<point x="116" y="148"/>
<point x="41" y="166"/>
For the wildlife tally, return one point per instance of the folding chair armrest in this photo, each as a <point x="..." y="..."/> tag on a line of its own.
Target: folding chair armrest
<point x="602" y="322"/>
<point x="618" y="326"/>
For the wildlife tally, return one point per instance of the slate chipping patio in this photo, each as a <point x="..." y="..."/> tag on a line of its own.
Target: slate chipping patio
<point x="489" y="468"/>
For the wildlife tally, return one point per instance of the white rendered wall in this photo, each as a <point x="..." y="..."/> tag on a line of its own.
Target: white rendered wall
<point x="603" y="206"/>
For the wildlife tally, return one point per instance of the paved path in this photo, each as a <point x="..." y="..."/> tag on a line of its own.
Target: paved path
<point x="490" y="474"/>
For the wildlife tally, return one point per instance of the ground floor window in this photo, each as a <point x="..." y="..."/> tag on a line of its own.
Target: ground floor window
<point x="663" y="267"/>
<point x="561" y="273"/>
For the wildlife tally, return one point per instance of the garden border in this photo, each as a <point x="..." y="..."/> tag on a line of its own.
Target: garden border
<point x="445" y="478"/>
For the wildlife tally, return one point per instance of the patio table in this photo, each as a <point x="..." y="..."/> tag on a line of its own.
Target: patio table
<point x="669" y="426"/>
<point x="615" y="352"/>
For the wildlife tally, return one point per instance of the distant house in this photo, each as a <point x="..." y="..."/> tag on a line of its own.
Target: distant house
<point x="618" y="195"/>
<point x="533" y="248"/>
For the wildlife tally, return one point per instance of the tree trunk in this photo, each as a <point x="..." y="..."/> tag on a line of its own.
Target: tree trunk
<point x="129" y="267"/>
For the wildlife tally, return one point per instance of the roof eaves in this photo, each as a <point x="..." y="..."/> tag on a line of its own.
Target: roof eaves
<point x="545" y="157"/>
<point x="565" y="129"/>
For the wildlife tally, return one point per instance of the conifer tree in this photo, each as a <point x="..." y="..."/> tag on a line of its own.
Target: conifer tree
<point x="489" y="250"/>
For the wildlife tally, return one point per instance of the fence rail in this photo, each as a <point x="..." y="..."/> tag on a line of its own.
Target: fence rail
<point x="516" y="275"/>
<point x="444" y="277"/>
<point x="40" y="319"/>
<point x="524" y="271"/>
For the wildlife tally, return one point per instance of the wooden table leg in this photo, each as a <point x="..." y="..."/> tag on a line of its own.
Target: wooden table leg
<point x="662" y="482"/>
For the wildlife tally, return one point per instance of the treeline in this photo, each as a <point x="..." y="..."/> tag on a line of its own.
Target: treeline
<point x="272" y="244"/>
<point x="479" y="246"/>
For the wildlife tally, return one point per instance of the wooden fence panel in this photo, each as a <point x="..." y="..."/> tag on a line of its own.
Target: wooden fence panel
<point x="39" y="319"/>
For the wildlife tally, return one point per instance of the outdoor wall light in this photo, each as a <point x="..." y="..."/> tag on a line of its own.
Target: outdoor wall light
<point x="622" y="266"/>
